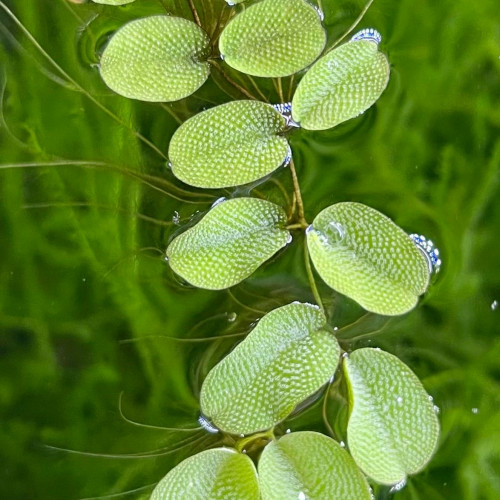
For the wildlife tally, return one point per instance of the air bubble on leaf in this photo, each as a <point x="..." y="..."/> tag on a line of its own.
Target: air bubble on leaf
<point x="431" y="253"/>
<point x="207" y="425"/>
<point x="475" y="411"/>
<point x="231" y="317"/>
<point x="342" y="444"/>
<point x="436" y="409"/>
<point x="494" y="305"/>
<point x="321" y="14"/>
<point x="369" y="34"/>
<point x="289" y="239"/>
<point x="218" y="201"/>
<point x="398" y="486"/>
<point x="335" y="233"/>
<point x="302" y="496"/>
<point x="399" y="401"/>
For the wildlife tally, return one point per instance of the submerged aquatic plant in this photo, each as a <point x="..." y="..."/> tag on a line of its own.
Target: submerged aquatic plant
<point x="293" y="352"/>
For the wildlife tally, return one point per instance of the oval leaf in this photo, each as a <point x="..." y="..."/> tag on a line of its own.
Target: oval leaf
<point x="216" y="474"/>
<point x="273" y="38"/>
<point x="229" y="243"/>
<point x="361" y="253"/>
<point x="393" y="428"/>
<point x="286" y="358"/>
<point x="113" y="2"/>
<point x="229" y="145"/>
<point x="341" y="85"/>
<point x="158" y="58"/>
<point x="311" y="466"/>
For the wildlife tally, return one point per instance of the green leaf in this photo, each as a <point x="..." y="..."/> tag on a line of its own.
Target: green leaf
<point x="341" y="85"/>
<point x="309" y="465"/>
<point x="361" y="253"/>
<point x="273" y="38"/>
<point x="286" y="358"/>
<point x="229" y="145"/>
<point x="393" y="428"/>
<point x="217" y="474"/>
<point x="229" y="243"/>
<point x="113" y="2"/>
<point x="157" y="58"/>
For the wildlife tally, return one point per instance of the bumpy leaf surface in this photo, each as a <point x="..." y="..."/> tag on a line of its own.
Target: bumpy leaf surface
<point x="309" y="465"/>
<point x="273" y="38"/>
<point x="361" y="253"/>
<point x="393" y="427"/>
<point x="341" y="85"/>
<point x="229" y="145"/>
<point x="286" y="358"/>
<point x="157" y="58"/>
<point x="229" y="243"/>
<point x="218" y="474"/>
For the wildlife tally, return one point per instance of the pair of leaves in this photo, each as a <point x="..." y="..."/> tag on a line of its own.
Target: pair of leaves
<point x="299" y="465"/>
<point x="229" y="243"/>
<point x="157" y="58"/>
<point x="392" y="432"/>
<point x="361" y="253"/>
<point x="286" y="358"/>
<point x="242" y="141"/>
<point x="358" y="251"/>
<point x="273" y="38"/>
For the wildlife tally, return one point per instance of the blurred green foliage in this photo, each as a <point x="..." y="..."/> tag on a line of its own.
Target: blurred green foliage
<point x="87" y="300"/>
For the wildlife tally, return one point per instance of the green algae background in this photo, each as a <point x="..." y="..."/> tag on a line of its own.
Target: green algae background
<point x="89" y="310"/>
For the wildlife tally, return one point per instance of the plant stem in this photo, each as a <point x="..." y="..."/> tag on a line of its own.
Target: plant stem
<point x="353" y="25"/>
<point x="196" y="17"/>
<point x="231" y="81"/>
<point x="312" y="281"/>
<point x="298" y="195"/>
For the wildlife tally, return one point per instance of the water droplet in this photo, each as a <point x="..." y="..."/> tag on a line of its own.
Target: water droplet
<point x="342" y="444"/>
<point x="398" y="487"/>
<point x="436" y="409"/>
<point x="222" y="56"/>
<point x="231" y="4"/>
<point x="494" y="305"/>
<point x="429" y="250"/>
<point x="288" y="431"/>
<point x="475" y="411"/>
<point x="165" y="258"/>
<point x="207" y="425"/>
<point x="169" y="165"/>
<point x="231" y="317"/>
<point x="218" y="201"/>
<point x="431" y="399"/>
<point x="399" y="401"/>
<point x="289" y="238"/>
<point x="335" y="328"/>
<point x="369" y="34"/>
<point x="335" y="233"/>
<point x="176" y="218"/>
<point x="345" y="355"/>
<point x="302" y="496"/>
